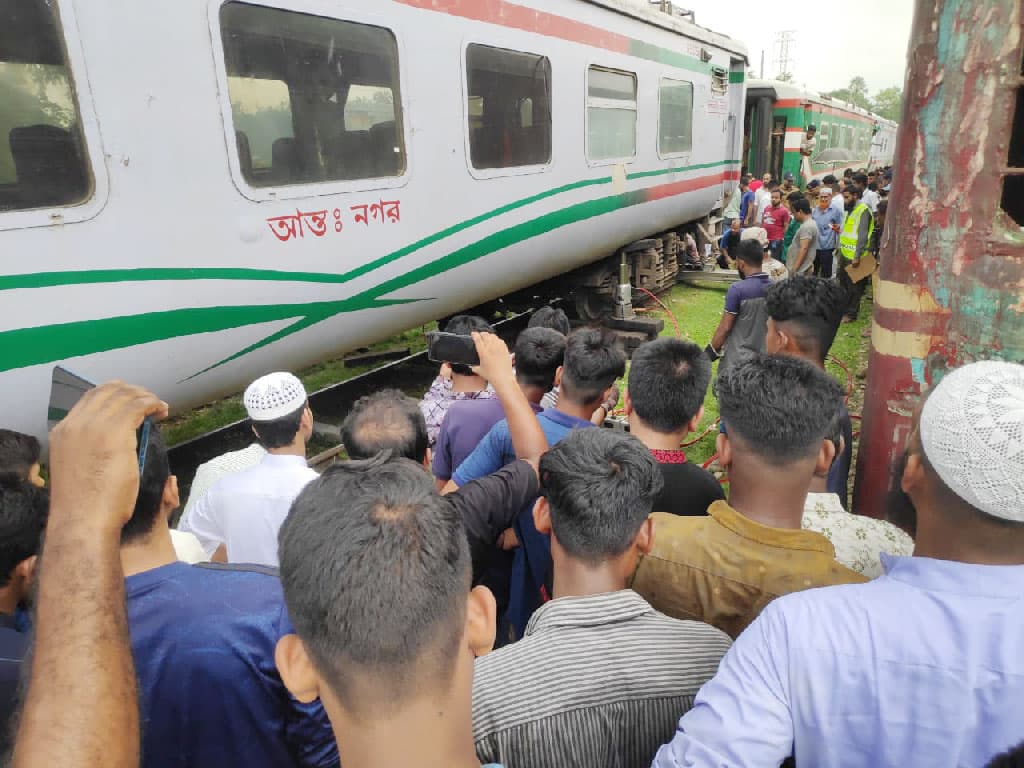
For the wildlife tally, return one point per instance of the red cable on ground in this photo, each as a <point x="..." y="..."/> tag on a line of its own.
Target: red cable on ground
<point x="679" y="331"/>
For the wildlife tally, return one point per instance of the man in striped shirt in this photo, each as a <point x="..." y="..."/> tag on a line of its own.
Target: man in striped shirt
<point x="600" y="677"/>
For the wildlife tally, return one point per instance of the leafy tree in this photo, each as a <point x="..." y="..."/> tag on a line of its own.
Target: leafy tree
<point x="855" y="93"/>
<point x="888" y="103"/>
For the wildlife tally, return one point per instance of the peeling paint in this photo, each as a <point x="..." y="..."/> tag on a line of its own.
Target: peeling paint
<point x="951" y="287"/>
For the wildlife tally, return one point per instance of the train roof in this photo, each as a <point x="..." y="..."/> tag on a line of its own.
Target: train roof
<point x="785" y="90"/>
<point x="675" y="24"/>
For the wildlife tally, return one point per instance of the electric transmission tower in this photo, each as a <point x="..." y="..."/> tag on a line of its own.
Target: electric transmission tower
<point x="782" y="58"/>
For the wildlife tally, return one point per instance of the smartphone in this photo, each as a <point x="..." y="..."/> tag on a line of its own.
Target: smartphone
<point x="66" y="389"/>
<point x="451" y="348"/>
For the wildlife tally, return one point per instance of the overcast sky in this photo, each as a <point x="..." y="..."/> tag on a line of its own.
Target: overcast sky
<point x="876" y="31"/>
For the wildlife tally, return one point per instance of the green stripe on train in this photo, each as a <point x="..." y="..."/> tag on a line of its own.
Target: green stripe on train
<point x="151" y="274"/>
<point x="24" y="347"/>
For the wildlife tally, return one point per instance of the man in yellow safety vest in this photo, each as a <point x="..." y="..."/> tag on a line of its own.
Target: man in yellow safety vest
<point x="854" y="242"/>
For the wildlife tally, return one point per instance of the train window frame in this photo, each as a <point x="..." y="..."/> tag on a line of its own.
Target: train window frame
<point x="467" y="102"/>
<point x="98" y="189"/>
<point x="317" y="188"/>
<point x="666" y="155"/>
<point x="590" y="102"/>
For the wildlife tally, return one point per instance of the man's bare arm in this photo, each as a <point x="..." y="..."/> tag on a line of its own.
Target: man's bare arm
<point x="528" y="439"/>
<point x="805" y="246"/>
<point x="722" y="332"/>
<point x="82" y="707"/>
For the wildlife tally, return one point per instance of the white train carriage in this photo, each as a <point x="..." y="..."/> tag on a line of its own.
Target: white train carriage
<point x="195" y="192"/>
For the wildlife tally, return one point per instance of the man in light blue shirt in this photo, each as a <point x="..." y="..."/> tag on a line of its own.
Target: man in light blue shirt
<point x="829" y="222"/>
<point x="922" y="666"/>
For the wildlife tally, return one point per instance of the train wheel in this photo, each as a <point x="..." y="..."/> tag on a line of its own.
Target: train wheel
<point x="592" y="307"/>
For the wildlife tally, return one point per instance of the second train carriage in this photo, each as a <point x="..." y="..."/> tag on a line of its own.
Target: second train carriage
<point x="775" y="121"/>
<point x="193" y="193"/>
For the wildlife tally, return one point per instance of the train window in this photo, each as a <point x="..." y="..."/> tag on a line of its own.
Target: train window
<point x="43" y="160"/>
<point x="1013" y="180"/>
<point x="509" y="107"/>
<point x="675" y="123"/>
<point x="833" y="135"/>
<point x="822" y="143"/>
<point x="313" y="99"/>
<point x="719" y="80"/>
<point x="611" y="114"/>
<point x="262" y="111"/>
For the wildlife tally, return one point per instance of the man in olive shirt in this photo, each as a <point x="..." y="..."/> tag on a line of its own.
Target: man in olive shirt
<point x="725" y="568"/>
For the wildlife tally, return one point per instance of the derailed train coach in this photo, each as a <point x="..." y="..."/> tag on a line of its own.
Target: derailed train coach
<point x="193" y="193"/>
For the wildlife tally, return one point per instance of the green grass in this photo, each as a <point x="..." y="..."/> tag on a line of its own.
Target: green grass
<point x="698" y="310"/>
<point x="220" y="413"/>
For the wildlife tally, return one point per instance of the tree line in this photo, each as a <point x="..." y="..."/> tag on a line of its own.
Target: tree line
<point x="887" y="103"/>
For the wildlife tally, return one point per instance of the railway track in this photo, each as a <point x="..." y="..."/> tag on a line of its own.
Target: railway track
<point x="412" y="374"/>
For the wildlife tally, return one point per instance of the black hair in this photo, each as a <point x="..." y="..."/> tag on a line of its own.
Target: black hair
<point x="668" y="380"/>
<point x="464" y="325"/>
<point x="388" y="420"/>
<point x="795" y="195"/>
<point x="861" y="178"/>
<point x="883" y="207"/>
<point x="750" y="252"/>
<point x="376" y="568"/>
<point x="279" y="432"/>
<point x="23" y="512"/>
<point x="151" y="489"/>
<point x="600" y="485"/>
<point x="855" y="190"/>
<point x="1013" y="758"/>
<point x="774" y="186"/>
<point x="539" y="353"/>
<point x="830" y="180"/>
<point x="848" y="173"/>
<point x="593" y="361"/>
<point x="801" y="205"/>
<point x="18" y="452"/>
<point x="780" y="407"/>
<point x="551" y="317"/>
<point x="873" y="186"/>
<point x="812" y="127"/>
<point x="814" y="305"/>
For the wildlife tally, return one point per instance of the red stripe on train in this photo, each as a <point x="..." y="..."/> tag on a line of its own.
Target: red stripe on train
<point x="528" y="20"/>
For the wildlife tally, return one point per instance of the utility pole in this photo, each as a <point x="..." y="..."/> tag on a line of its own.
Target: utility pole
<point x="782" y="59"/>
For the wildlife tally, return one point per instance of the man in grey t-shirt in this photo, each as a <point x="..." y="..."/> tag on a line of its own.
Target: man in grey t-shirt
<point x="801" y="253"/>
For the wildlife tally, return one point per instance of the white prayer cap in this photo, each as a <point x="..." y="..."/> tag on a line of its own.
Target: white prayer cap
<point x="825" y="191"/>
<point x="972" y="432"/>
<point x="273" y="396"/>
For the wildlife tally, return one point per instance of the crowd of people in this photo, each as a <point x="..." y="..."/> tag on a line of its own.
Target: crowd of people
<point x="489" y="578"/>
<point x="832" y="228"/>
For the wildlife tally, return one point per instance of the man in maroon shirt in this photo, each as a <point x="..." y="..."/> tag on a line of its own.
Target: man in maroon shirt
<point x="775" y="221"/>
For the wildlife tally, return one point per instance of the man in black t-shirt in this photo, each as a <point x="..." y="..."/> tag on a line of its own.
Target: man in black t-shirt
<point x="668" y="380"/>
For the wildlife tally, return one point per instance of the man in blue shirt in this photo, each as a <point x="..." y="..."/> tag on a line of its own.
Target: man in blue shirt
<point x="23" y="510"/>
<point x="203" y="640"/>
<point x="748" y="206"/>
<point x="539" y="353"/>
<point x="829" y="221"/>
<point x="742" y="327"/>
<point x="593" y="362"/>
<point x="376" y="572"/>
<point x="922" y="666"/>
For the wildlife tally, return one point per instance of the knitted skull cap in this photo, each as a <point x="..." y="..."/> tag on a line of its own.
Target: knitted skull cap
<point x="972" y="432"/>
<point x="273" y="396"/>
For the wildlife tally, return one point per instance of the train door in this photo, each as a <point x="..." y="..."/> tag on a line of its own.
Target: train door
<point x="758" y="127"/>
<point x="737" y="76"/>
<point x="778" y="147"/>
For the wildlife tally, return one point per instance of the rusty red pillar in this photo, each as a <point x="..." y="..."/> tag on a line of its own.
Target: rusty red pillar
<point x="951" y="286"/>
